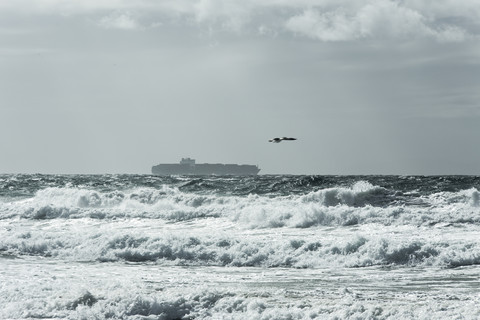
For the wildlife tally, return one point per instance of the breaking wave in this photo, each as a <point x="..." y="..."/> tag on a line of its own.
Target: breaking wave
<point x="236" y="251"/>
<point x="339" y="206"/>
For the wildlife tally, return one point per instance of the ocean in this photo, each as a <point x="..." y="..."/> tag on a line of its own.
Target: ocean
<point x="262" y="247"/>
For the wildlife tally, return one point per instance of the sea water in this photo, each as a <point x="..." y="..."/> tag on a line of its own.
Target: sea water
<point x="263" y="247"/>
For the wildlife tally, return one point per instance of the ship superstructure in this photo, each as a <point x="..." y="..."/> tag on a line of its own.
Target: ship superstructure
<point x="188" y="166"/>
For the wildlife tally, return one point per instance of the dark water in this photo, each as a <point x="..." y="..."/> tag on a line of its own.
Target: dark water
<point x="271" y="185"/>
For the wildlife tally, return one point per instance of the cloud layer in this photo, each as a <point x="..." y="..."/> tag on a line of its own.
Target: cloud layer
<point x="324" y="20"/>
<point x="379" y="19"/>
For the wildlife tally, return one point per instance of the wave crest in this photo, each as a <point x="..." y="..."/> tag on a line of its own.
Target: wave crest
<point x="358" y="195"/>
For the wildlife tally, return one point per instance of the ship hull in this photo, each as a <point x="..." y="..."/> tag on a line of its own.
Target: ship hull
<point x="205" y="169"/>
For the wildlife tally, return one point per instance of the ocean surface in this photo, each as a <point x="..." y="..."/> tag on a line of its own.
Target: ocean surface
<point x="264" y="247"/>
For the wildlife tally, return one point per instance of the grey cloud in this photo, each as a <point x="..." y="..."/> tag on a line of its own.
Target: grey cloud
<point x="114" y="86"/>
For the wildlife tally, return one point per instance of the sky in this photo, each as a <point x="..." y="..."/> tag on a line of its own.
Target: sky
<point x="117" y="86"/>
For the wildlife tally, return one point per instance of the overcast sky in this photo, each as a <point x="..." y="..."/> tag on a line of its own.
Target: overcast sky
<point x="116" y="86"/>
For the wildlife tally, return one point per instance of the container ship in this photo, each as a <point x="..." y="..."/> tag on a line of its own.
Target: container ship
<point x="187" y="166"/>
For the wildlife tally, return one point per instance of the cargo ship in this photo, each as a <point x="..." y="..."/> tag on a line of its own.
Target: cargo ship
<point x="187" y="166"/>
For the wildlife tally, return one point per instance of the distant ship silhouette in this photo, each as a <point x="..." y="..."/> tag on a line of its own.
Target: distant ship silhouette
<point x="188" y="166"/>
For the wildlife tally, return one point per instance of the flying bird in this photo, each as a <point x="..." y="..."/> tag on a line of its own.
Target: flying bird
<point x="277" y="140"/>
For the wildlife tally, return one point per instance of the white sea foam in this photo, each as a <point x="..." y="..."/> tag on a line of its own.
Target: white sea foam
<point x="91" y="291"/>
